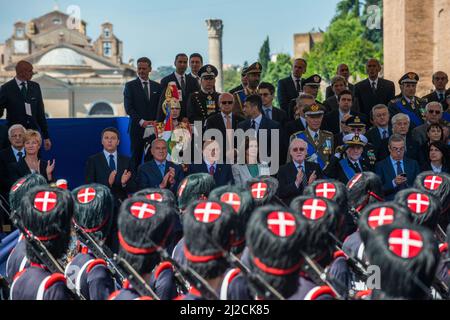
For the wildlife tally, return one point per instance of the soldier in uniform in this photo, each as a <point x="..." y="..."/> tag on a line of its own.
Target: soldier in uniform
<point x="93" y="213"/>
<point x="143" y="225"/>
<point x="363" y="189"/>
<point x="244" y="81"/>
<point x="253" y="77"/>
<point x="408" y="102"/>
<point x="205" y="102"/>
<point x="46" y="213"/>
<point x="263" y="190"/>
<point x="320" y="142"/>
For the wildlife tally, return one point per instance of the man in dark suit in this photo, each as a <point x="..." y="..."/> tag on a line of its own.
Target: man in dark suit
<point x="295" y="176"/>
<point x="338" y="84"/>
<point x="211" y="154"/>
<point x="334" y="118"/>
<point x="159" y="173"/>
<point x="396" y="171"/>
<point x="186" y="85"/>
<point x="290" y="87"/>
<point x="224" y="120"/>
<point x="141" y="99"/>
<point x="342" y="71"/>
<point x="12" y="154"/>
<point x="244" y="82"/>
<point x="195" y="63"/>
<point x="373" y="90"/>
<point x="110" y="168"/>
<point x="257" y="121"/>
<point x="253" y="75"/>
<point x="267" y="93"/>
<point x="381" y="129"/>
<point x="22" y="99"/>
<point x="440" y="81"/>
<point x="433" y="115"/>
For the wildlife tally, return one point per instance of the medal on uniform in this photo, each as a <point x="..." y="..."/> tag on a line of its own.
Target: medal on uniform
<point x="210" y="105"/>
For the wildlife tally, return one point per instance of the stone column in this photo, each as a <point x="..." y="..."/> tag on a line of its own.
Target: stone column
<point x="215" y="28"/>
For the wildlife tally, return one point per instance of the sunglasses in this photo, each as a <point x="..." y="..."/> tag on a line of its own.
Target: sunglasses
<point x="298" y="149"/>
<point x="227" y="102"/>
<point x="434" y="111"/>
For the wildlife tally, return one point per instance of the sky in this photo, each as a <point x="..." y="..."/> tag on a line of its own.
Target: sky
<point x="160" y="29"/>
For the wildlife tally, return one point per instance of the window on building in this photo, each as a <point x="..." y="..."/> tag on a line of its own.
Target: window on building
<point x="107" y="52"/>
<point x="101" y="109"/>
<point x="107" y="32"/>
<point x="3" y="58"/>
<point x="20" y="32"/>
<point x="57" y="21"/>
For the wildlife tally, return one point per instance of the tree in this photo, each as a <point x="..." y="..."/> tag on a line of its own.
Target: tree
<point x="231" y="79"/>
<point x="372" y="19"/>
<point x="345" y="8"/>
<point x="277" y="70"/>
<point x="264" y="55"/>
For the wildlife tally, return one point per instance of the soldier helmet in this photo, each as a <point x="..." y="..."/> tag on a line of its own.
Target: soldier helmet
<point x="21" y="187"/>
<point x="408" y="257"/>
<point x="46" y="213"/>
<point x="321" y="217"/>
<point x="164" y="196"/>
<point x="424" y="208"/>
<point x="263" y="190"/>
<point x="274" y="239"/>
<point x="242" y="203"/>
<point x="364" y="188"/>
<point x="196" y="186"/>
<point x="209" y="229"/>
<point x="143" y="226"/>
<point x="380" y="214"/>
<point x="437" y="184"/>
<point x="94" y="205"/>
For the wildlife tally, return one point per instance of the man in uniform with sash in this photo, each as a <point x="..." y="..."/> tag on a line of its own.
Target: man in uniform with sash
<point x="320" y="142"/>
<point x="253" y="77"/>
<point x="205" y="102"/>
<point x="408" y="103"/>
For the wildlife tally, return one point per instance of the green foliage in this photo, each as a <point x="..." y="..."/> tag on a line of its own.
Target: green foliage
<point x="343" y="42"/>
<point x="264" y="55"/>
<point x="161" y="72"/>
<point x="278" y="70"/>
<point x="231" y="79"/>
<point x="345" y="8"/>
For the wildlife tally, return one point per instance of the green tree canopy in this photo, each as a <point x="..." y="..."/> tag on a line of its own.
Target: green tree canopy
<point x="264" y="55"/>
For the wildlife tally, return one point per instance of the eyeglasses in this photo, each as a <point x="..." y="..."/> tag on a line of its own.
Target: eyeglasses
<point x="434" y="111"/>
<point x="175" y="108"/>
<point x="298" y="149"/>
<point x="398" y="149"/>
<point x="227" y="102"/>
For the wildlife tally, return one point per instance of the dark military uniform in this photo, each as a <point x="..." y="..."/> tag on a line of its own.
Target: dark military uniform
<point x="17" y="260"/>
<point x="235" y="286"/>
<point x="241" y="95"/>
<point x="414" y="108"/>
<point x="203" y="104"/>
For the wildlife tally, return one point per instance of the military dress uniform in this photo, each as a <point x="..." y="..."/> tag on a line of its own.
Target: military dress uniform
<point x="320" y="148"/>
<point x="241" y="95"/>
<point x="17" y="260"/>
<point x="203" y="104"/>
<point x="414" y="108"/>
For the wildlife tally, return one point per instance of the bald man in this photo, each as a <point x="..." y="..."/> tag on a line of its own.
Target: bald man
<point x="22" y="99"/>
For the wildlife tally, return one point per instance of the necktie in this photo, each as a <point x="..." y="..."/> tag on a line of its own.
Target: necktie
<point x="297" y="84"/>
<point x="374" y="87"/>
<point x="385" y="134"/>
<point x="112" y="164"/>
<point x="253" y="124"/>
<point x="228" y="121"/>
<point x="356" y="167"/>
<point x="146" y="90"/>
<point x="211" y="170"/>
<point x="269" y="113"/>
<point x="23" y="90"/>
<point x="399" y="168"/>
<point x="162" y="168"/>
<point x="441" y="97"/>
<point x="316" y="137"/>
<point x="304" y="181"/>
<point x="183" y="84"/>
<point x="19" y="155"/>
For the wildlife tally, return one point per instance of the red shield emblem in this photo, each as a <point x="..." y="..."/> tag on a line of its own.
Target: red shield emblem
<point x="281" y="224"/>
<point x="418" y="203"/>
<point x="232" y="199"/>
<point x="155" y="197"/>
<point x="18" y="184"/>
<point x="142" y="210"/>
<point x="259" y="190"/>
<point x="314" y="209"/>
<point x="207" y="212"/>
<point x="45" y="201"/>
<point x="86" y="195"/>
<point x="432" y="182"/>
<point x="405" y="243"/>
<point x="354" y="180"/>
<point x="326" y="190"/>
<point x="380" y="217"/>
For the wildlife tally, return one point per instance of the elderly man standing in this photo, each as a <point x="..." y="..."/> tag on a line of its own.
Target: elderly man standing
<point x="296" y="175"/>
<point x="433" y="115"/>
<point x="440" y="81"/>
<point x="397" y="172"/>
<point x="159" y="172"/>
<point x="22" y="99"/>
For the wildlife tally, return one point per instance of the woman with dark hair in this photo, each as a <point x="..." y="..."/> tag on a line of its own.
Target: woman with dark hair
<point x="251" y="168"/>
<point x="435" y="133"/>
<point x="438" y="155"/>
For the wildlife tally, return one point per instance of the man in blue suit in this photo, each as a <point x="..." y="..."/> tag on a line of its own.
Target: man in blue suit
<point x="211" y="155"/>
<point x="141" y="98"/>
<point x="159" y="173"/>
<point x="396" y="171"/>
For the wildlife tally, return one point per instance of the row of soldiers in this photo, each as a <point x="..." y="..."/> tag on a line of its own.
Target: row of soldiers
<point x="236" y="242"/>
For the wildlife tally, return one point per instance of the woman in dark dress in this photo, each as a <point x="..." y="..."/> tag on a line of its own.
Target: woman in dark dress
<point x="438" y="158"/>
<point x="434" y="133"/>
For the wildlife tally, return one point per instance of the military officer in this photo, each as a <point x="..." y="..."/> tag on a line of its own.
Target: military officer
<point x="320" y="142"/>
<point x="311" y="87"/>
<point x="205" y="102"/>
<point x="253" y="77"/>
<point x="408" y="102"/>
